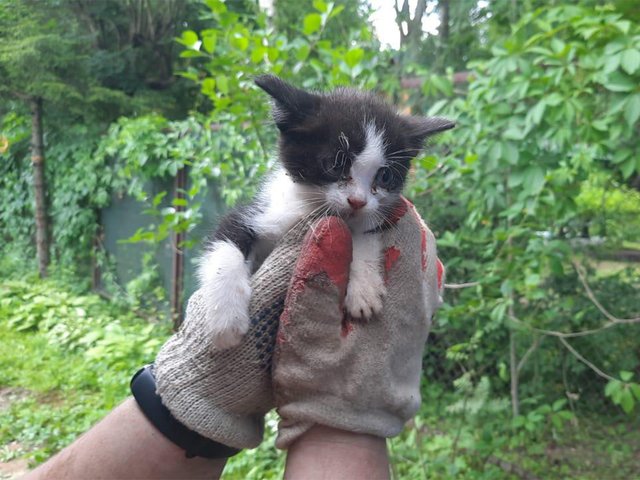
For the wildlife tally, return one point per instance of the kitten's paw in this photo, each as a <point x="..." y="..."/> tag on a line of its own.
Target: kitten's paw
<point x="228" y="314"/>
<point x="365" y="293"/>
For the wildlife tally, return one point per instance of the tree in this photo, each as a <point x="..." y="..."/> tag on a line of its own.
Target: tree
<point x="40" y="61"/>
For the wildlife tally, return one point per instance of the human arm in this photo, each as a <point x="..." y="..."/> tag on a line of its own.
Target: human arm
<point x="125" y="445"/>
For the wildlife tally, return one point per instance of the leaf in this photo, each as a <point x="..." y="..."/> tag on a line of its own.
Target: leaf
<point x="611" y="63"/>
<point x="320" y="5"/>
<point x="618" y="82"/>
<point x="189" y="38"/>
<point x="158" y="198"/>
<point x="534" y="179"/>
<point x="336" y="11"/>
<point x="632" y="109"/>
<point x="495" y="152"/>
<point x="216" y="6"/>
<point x="628" y="168"/>
<point x="635" y="388"/>
<point x="353" y="57"/>
<point x="209" y="43"/>
<point x="312" y="23"/>
<point x="223" y="84"/>
<point x="513" y="133"/>
<point x="630" y="60"/>
<point x="209" y="86"/>
<point x="627" y="401"/>
<point x="626" y="376"/>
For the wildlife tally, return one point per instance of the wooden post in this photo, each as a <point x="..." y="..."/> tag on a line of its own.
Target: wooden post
<point x="178" y="238"/>
<point x="39" y="186"/>
<point x="96" y="274"/>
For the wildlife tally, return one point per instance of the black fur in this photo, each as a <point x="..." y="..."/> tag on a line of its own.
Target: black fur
<point x="233" y="227"/>
<point x="312" y="124"/>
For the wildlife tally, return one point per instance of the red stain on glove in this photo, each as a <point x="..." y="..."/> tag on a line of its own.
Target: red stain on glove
<point x="440" y="269"/>
<point x="326" y="249"/>
<point x="391" y="256"/>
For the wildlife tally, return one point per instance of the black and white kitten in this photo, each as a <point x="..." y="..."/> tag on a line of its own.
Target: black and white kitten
<point x="343" y="153"/>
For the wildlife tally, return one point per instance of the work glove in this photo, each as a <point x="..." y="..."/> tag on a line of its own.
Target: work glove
<point x="224" y="394"/>
<point x="358" y="376"/>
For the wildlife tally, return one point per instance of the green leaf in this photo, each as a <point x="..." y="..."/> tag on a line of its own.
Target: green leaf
<point x="618" y="82"/>
<point x="257" y="54"/>
<point x="534" y="179"/>
<point x="320" y="5"/>
<point x="190" y="38"/>
<point x="336" y="11"/>
<point x="626" y="376"/>
<point x="216" y="6"/>
<point x="513" y="133"/>
<point x="223" y="84"/>
<point x="635" y="388"/>
<point x="209" y="86"/>
<point x="627" y="401"/>
<point x="510" y="153"/>
<point x="628" y="168"/>
<point x="179" y="202"/>
<point x="158" y="198"/>
<point x="630" y="60"/>
<point x="239" y="41"/>
<point x="353" y="57"/>
<point x="312" y="23"/>
<point x="209" y="42"/>
<point x="495" y="152"/>
<point x="611" y="63"/>
<point x="429" y="163"/>
<point x="303" y="52"/>
<point x="632" y="109"/>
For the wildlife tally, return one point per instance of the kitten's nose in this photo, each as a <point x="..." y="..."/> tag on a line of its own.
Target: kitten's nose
<point x="356" y="203"/>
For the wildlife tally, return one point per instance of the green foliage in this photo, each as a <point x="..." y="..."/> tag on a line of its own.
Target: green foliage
<point x="545" y="123"/>
<point x="69" y="357"/>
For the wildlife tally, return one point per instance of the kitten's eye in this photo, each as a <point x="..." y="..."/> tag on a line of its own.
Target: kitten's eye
<point x="385" y="178"/>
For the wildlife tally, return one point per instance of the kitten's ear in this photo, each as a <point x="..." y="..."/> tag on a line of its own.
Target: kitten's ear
<point x="291" y="105"/>
<point x="420" y="128"/>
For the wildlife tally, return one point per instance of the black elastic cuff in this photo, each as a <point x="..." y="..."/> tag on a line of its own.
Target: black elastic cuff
<point x="143" y="387"/>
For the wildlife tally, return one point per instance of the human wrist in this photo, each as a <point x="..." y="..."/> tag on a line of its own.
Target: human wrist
<point x="337" y="453"/>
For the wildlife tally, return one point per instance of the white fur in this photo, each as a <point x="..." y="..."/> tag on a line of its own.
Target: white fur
<point x="286" y="203"/>
<point x="224" y="274"/>
<point x="366" y="286"/>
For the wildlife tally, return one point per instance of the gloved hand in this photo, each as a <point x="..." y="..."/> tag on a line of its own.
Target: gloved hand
<point x="356" y="376"/>
<point x="223" y="395"/>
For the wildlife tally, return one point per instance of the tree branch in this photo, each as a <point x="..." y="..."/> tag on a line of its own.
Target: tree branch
<point x="458" y="286"/>
<point x="575" y="353"/>
<point x="613" y="319"/>
<point x="534" y="346"/>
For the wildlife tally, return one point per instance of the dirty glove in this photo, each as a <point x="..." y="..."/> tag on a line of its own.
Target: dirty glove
<point x="224" y="394"/>
<point x="358" y="376"/>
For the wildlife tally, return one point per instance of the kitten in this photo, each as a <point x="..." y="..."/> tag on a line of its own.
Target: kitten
<point x="343" y="153"/>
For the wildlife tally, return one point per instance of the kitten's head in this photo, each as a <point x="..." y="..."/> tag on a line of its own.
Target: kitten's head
<point x="350" y="145"/>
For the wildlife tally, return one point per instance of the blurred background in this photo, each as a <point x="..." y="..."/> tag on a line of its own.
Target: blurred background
<point x="127" y="127"/>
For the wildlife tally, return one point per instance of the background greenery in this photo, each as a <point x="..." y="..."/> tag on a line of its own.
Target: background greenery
<point x="533" y="366"/>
